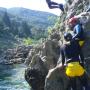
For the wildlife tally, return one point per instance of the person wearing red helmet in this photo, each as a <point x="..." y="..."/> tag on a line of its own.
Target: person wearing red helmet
<point x="78" y="32"/>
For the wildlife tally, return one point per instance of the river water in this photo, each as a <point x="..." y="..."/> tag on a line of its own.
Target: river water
<point x="12" y="77"/>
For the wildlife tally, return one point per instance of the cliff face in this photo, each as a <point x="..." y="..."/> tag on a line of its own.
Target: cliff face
<point x="56" y="79"/>
<point x="79" y="8"/>
<point x="45" y="57"/>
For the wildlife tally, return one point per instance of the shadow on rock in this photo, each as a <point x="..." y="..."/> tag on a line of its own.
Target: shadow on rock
<point x="35" y="78"/>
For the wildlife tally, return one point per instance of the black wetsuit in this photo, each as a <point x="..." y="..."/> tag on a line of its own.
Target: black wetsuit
<point x="72" y="53"/>
<point x="53" y="5"/>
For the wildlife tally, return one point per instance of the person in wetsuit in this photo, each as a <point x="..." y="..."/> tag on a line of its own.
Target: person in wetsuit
<point x="53" y="5"/>
<point x="72" y="55"/>
<point x="78" y="32"/>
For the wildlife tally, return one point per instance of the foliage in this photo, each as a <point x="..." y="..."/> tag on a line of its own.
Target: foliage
<point x="19" y="23"/>
<point x="27" y="41"/>
<point x="57" y="24"/>
<point x="30" y="41"/>
<point x="49" y="30"/>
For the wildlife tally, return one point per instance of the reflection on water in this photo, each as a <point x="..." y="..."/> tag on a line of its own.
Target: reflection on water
<point x="12" y="78"/>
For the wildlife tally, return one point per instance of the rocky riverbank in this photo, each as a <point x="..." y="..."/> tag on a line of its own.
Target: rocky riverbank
<point x="15" y="56"/>
<point x="44" y="60"/>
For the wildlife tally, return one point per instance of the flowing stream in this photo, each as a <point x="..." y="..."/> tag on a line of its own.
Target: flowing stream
<point x="12" y="77"/>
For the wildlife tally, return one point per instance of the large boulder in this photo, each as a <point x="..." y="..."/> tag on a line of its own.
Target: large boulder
<point x="56" y="79"/>
<point x="35" y="78"/>
<point x="52" y="53"/>
<point x="40" y="60"/>
<point x="36" y="72"/>
<point x="49" y="53"/>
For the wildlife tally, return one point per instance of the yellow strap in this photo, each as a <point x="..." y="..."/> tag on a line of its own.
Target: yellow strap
<point x="81" y="43"/>
<point x="73" y="63"/>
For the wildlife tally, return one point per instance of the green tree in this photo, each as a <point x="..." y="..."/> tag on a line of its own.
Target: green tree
<point x="26" y="29"/>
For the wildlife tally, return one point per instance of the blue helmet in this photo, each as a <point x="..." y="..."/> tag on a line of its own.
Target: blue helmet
<point x="68" y="36"/>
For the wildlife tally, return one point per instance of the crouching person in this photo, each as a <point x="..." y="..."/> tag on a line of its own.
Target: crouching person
<point x="72" y="55"/>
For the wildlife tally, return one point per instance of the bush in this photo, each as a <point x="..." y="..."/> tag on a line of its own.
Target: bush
<point x="27" y="41"/>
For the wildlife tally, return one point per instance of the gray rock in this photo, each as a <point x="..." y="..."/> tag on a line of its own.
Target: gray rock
<point x="29" y="57"/>
<point x="16" y="55"/>
<point x="38" y="63"/>
<point x="35" y="78"/>
<point x="56" y="79"/>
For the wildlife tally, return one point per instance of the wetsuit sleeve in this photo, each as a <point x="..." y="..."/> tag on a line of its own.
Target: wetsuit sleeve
<point x="62" y="56"/>
<point x="77" y="31"/>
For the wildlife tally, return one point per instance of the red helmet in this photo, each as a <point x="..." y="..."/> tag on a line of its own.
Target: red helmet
<point x="73" y="20"/>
